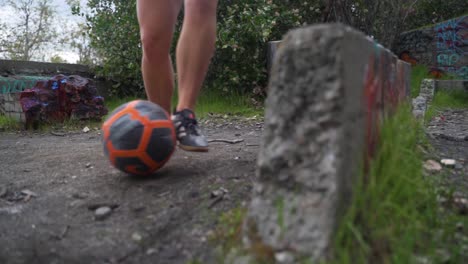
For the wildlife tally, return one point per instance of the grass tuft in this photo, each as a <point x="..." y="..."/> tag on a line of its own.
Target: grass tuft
<point x="446" y="100"/>
<point x="394" y="213"/>
<point x="9" y="123"/>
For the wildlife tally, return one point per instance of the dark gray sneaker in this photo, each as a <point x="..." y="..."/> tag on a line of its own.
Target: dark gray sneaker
<point x="187" y="131"/>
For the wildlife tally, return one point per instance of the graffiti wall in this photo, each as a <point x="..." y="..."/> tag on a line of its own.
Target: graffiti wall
<point x="386" y="85"/>
<point x="443" y="47"/>
<point x="10" y="89"/>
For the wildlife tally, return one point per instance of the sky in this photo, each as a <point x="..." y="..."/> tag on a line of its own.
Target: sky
<point x="64" y="20"/>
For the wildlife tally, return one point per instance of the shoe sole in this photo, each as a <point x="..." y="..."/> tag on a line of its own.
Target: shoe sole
<point x="194" y="149"/>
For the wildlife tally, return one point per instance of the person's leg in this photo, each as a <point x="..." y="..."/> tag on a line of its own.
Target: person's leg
<point x="195" y="49"/>
<point x="157" y="19"/>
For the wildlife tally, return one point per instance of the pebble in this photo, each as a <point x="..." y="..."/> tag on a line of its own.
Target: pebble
<point x="102" y="213"/>
<point x="136" y="237"/>
<point x="219" y="192"/>
<point x="150" y="251"/>
<point x="458" y="166"/>
<point x="86" y="129"/>
<point x="448" y="162"/>
<point x="284" y="257"/>
<point x="88" y="165"/>
<point x="432" y="166"/>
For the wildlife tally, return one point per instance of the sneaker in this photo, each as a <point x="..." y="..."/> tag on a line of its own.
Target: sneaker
<point x="187" y="131"/>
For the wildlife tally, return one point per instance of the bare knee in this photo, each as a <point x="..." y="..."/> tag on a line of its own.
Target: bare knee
<point x="156" y="43"/>
<point x="200" y="9"/>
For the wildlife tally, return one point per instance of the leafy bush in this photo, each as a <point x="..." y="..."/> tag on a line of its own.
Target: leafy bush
<point x="244" y="28"/>
<point x="114" y="33"/>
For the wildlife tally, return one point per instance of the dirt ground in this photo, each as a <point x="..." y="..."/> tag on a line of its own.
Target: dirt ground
<point x="448" y="134"/>
<point x="51" y="186"/>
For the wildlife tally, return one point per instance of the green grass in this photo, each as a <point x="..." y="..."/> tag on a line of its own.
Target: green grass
<point x="394" y="212"/>
<point x="418" y="73"/>
<point x="8" y="123"/>
<point x="446" y="99"/>
<point x="394" y="215"/>
<point x="210" y="101"/>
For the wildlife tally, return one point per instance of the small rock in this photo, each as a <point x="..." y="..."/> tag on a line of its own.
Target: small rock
<point x="102" y="213"/>
<point x="444" y="255"/>
<point x="458" y="166"/>
<point x="461" y="204"/>
<point x="459" y="226"/>
<point x="237" y="158"/>
<point x="220" y="192"/>
<point x="216" y="193"/>
<point x="88" y="165"/>
<point x="284" y="258"/>
<point x="86" y="129"/>
<point x="3" y="191"/>
<point x="448" y="162"/>
<point x="432" y="166"/>
<point x="29" y="193"/>
<point x="150" y="251"/>
<point x="136" y="237"/>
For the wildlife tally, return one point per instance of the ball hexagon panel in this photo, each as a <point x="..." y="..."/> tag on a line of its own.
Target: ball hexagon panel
<point x="161" y="144"/>
<point x="126" y="128"/>
<point x="133" y="165"/>
<point x="150" y="110"/>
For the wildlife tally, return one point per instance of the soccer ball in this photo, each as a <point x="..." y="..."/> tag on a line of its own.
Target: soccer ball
<point x="138" y="137"/>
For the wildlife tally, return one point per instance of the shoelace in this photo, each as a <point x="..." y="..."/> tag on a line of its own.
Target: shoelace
<point x="190" y="125"/>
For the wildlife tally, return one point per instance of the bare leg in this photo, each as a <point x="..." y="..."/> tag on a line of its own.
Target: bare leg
<point x="195" y="48"/>
<point x="157" y="19"/>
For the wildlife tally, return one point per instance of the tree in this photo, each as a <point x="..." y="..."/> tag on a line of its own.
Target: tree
<point x="384" y="20"/>
<point x="33" y="29"/>
<point x="57" y="59"/>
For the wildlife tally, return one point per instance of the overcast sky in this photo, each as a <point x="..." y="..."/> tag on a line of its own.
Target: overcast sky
<point x="64" y="20"/>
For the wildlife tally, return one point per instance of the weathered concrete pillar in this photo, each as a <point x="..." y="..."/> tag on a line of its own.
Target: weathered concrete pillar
<point x="330" y="86"/>
<point x="272" y="49"/>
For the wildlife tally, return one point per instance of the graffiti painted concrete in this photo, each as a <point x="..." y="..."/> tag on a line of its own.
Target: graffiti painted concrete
<point x="335" y="86"/>
<point x="10" y="89"/>
<point x="443" y="47"/>
<point x="17" y="84"/>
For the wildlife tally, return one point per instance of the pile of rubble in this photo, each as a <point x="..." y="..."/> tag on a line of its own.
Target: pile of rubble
<point x="61" y="98"/>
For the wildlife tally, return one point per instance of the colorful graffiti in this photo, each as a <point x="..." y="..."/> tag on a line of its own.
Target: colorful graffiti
<point x="446" y="48"/>
<point x="386" y="85"/>
<point x="451" y="50"/>
<point x="17" y="84"/>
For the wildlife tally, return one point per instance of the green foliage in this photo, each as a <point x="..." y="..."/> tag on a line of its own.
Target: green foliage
<point x="446" y="99"/>
<point x="57" y="59"/>
<point x="32" y="31"/>
<point x="418" y="73"/>
<point x="426" y="12"/>
<point x="394" y="212"/>
<point x="114" y="34"/>
<point x="244" y="29"/>
<point x="8" y="123"/>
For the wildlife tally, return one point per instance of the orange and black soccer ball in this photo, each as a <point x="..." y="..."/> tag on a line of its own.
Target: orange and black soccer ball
<point x="138" y="137"/>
